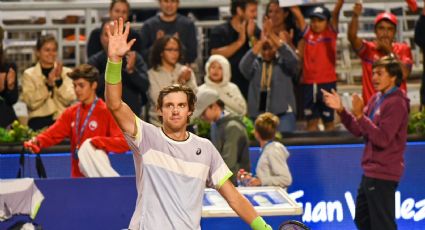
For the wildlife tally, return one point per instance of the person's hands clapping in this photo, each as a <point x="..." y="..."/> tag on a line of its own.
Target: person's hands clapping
<point x="241" y="29"/>
<point x="250" y="28"/>
<point x="332" y="100"/>
<point x="357" y="105"/>
<point x="11" y="79"/>
<point x="185" y="74"/>
<point x="55" y="74"/>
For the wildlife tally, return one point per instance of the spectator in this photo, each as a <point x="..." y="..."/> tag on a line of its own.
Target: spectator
<point x="218" y="77"/>
<point x="46" y="88"/>
<point x="317" y="49"/>
<point x="169" y="22"/>
<point x="166" y="70"/>
<point x="117" y="9"/>
<point x="283" y="21"/>
<point x="89" y="125"/>
<point x="383" y="45"/>
<point x="270" y="67"/>
<point x="235" y="37"/>
<point x="420" y="41"/>
<point x="228" y="133"/>
<point x="8" y="88"/>
<point x="383" y="126"/>
<point x="170" y="181"/>
<point x="272" y="168"/>
<point x="135" y="79"/>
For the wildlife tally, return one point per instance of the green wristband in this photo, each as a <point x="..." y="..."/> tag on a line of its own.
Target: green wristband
<point x="113" y="72"/>
<point x="259" y="224"/>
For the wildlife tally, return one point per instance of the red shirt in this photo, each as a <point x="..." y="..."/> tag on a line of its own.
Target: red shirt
<point x="319" y="56"/>
<point x="101" y="128"/>
<point x="369" y="54"/>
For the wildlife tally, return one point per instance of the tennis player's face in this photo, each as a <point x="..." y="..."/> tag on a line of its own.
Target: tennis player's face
<point x="175" y="111"/>
<point x="381" y="79"/>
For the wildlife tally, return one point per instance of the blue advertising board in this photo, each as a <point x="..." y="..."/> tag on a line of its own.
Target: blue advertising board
<point x="325" y="180"/>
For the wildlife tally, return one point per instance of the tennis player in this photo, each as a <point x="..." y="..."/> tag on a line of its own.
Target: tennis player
<point x="173" y="166"/>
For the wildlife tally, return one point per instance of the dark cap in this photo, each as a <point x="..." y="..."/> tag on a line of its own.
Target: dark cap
<point x="320" y="12"/>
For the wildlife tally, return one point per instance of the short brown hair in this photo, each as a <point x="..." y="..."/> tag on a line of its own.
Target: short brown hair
<point x="85" y="71"/>
<point x="266" y="125"/>
<point x="191" y="97"/>
<point x="392" y="66"/>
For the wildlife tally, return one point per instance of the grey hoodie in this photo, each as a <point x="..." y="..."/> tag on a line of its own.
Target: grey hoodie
<point x="228" y="134"/>
<point x="281" y="95"/>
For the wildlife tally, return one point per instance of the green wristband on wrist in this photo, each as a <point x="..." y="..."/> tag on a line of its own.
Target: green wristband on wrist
<point x="113" y="72"/>
<point x="259" y="224"/>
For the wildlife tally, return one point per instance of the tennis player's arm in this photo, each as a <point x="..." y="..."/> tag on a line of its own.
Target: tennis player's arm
<point x="242" y="207"/>
<point x="117" y="48"/>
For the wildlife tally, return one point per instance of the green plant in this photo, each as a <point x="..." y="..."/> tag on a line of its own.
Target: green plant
<point x="249" y="125"/>
<point x="417" y="123"/>
<point x="202" y="128"/>
<point x="16" y="133"/>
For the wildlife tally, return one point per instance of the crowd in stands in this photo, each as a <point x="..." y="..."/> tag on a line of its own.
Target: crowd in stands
<point x="250" y="71"/>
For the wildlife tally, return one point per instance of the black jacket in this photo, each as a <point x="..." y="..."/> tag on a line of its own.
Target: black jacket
<point x="8" y="98"/>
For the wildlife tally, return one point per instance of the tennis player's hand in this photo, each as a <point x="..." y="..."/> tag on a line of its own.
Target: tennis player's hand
<point x="118" y="45"/>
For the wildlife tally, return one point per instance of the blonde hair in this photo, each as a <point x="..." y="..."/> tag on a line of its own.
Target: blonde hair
<point x="266" y="125"/>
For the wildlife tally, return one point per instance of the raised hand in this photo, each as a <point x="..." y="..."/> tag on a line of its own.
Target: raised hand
<point x="357" y="9"/>
<point x="258" y="46"/>
<point x="118" y="45"/>
<point x="267" y="26"/>
<point x="332" y="100"/>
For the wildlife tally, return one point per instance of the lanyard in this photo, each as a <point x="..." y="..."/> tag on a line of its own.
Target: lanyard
<point x="266" y="76"/>
<point x="379" y="102"/>
<point x="80" y="134"/>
